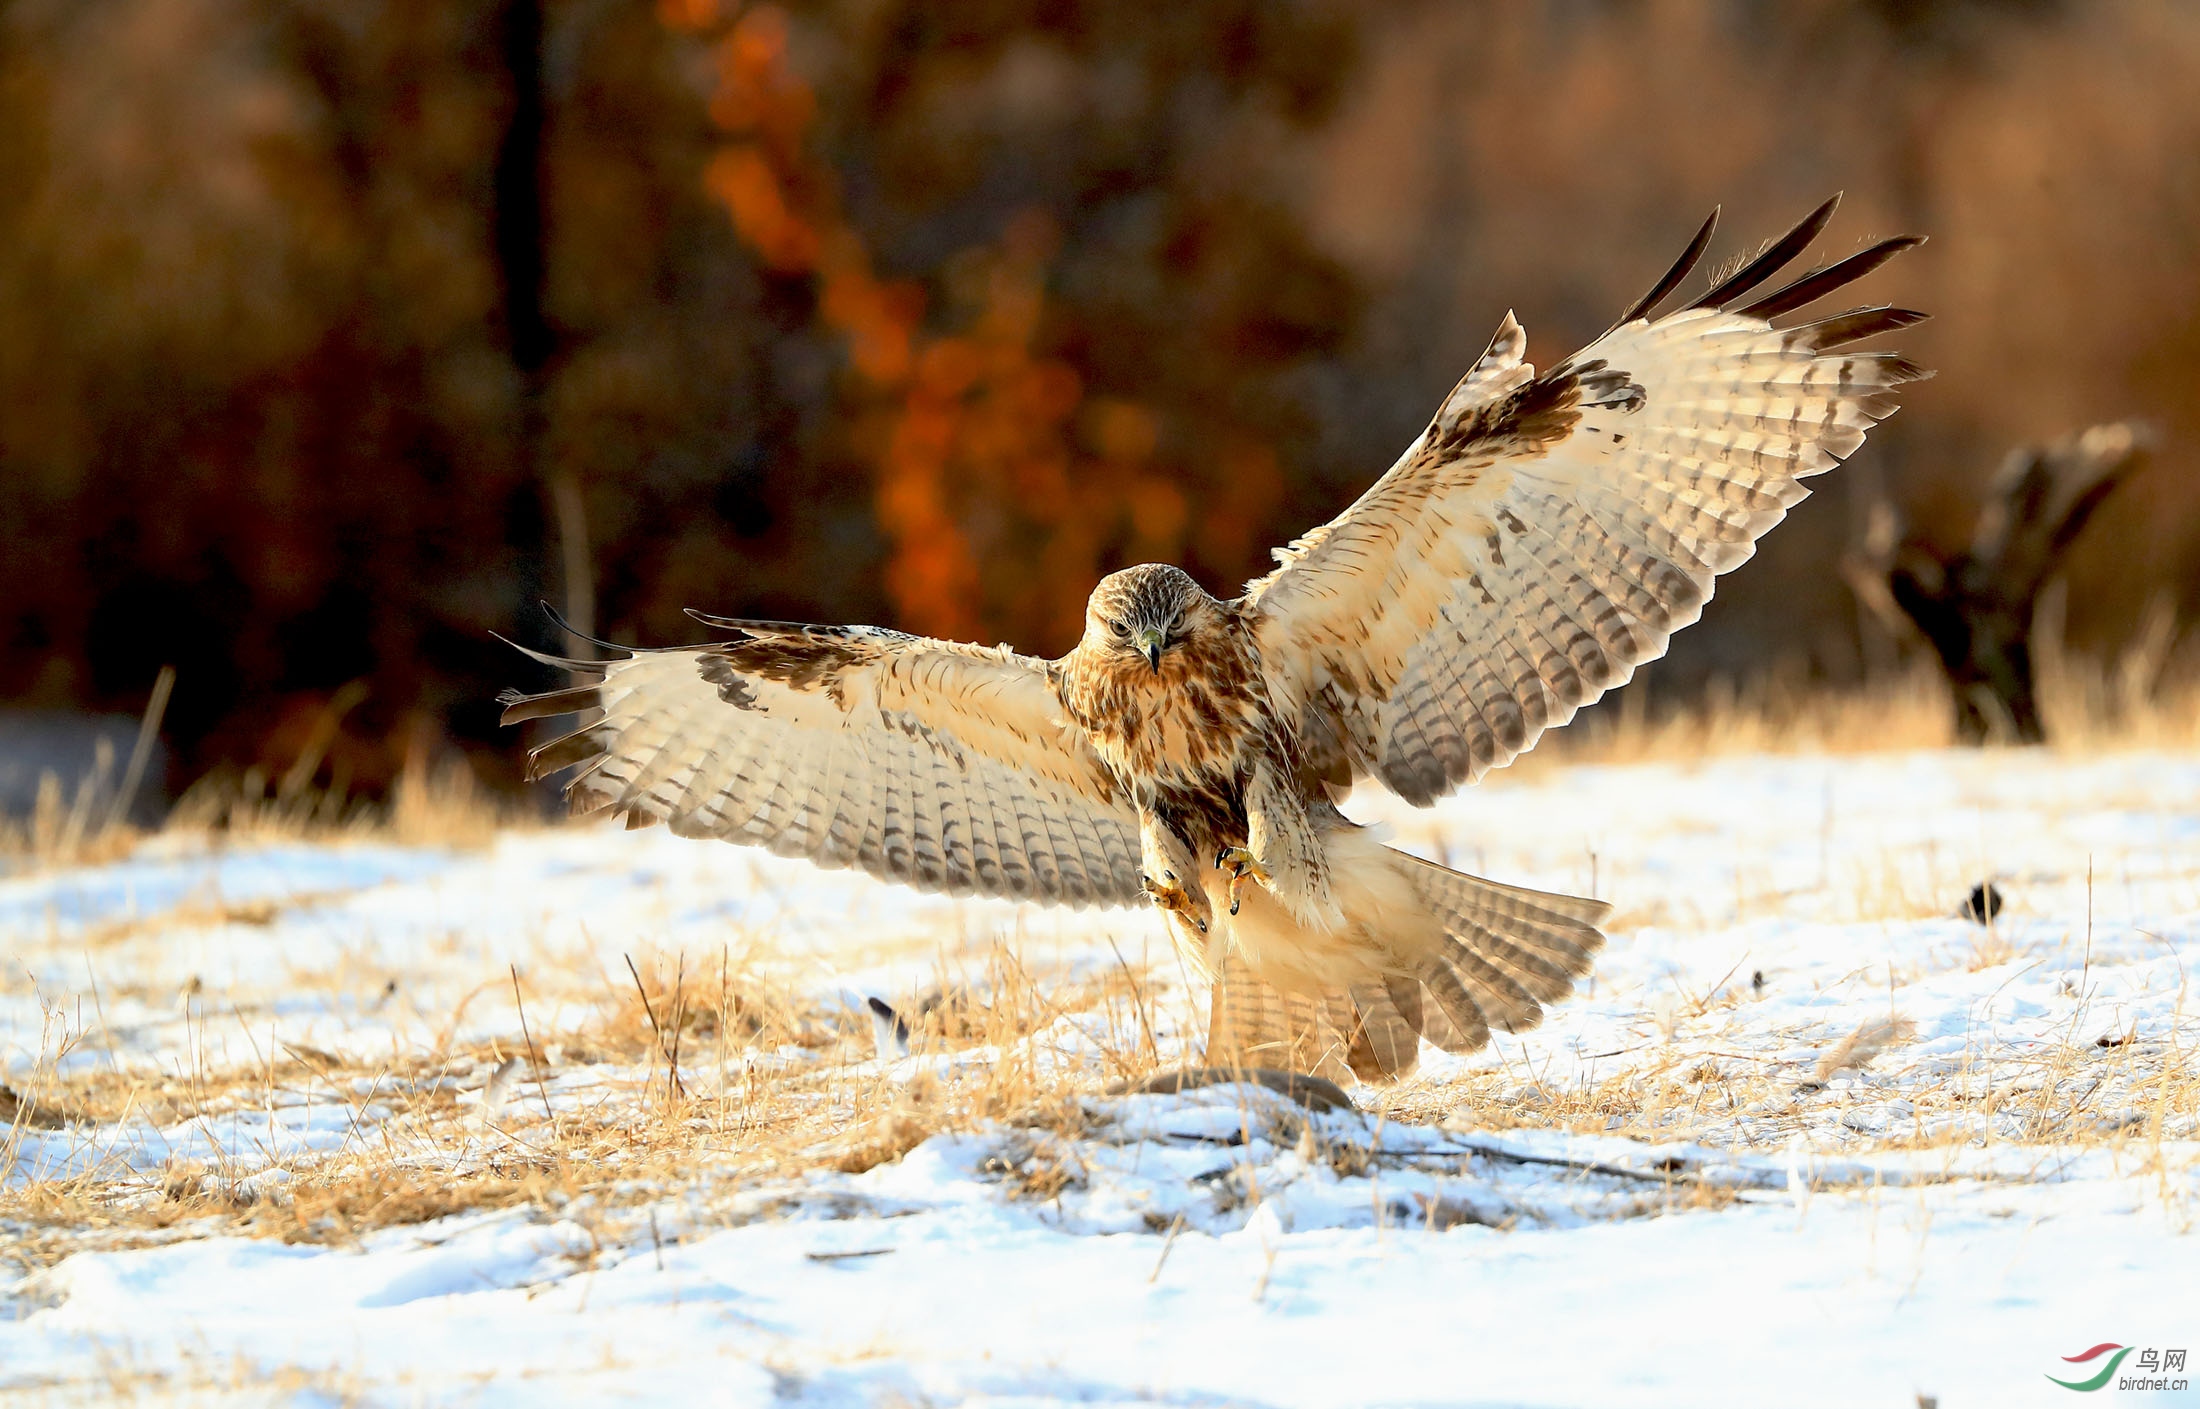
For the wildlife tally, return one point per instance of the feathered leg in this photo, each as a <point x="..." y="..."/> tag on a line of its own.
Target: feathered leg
<point x="1282" y="851"/>
<point x="1171" y="875"/>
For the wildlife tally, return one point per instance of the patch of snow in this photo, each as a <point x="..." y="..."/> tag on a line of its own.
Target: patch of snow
<point x="2012" y="1181"/>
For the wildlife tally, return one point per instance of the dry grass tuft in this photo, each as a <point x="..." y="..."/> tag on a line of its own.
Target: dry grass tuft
<point x="28" y="1113"/>
<point x="109" y="1376"/>
<point x="716" y="1078"/>
<point x="433" y="803"/>
<point x="911" y="1116"/>
<point x="94" y="825"/>
<point x="1780" y="712"/>
<point x="2145" y="696"/>
<point x="343" y="1206"/>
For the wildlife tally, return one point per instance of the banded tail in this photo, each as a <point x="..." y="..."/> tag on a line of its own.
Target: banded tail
<point x="1490" y="956"/>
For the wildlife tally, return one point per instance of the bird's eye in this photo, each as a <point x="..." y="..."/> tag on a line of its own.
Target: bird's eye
<point x="1119" y="628"/>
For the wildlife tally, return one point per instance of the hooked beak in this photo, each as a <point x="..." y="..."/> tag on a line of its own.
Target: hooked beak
<point x="1149" y="644"/>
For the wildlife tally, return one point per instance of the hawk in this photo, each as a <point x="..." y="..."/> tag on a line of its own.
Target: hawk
<point x="1546" y="534"/>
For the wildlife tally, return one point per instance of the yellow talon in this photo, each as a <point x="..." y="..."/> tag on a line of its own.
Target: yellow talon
<point x="1243" y="867"/>
<point x="1172" y="897"/>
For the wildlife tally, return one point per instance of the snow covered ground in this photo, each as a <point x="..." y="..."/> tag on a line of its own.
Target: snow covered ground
<point x="1676" y="1192"/>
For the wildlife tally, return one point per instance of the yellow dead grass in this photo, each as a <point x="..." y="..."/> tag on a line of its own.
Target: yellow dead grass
<point x="595" y="1122"/>
<point x="767" y="1089"/>
<point x="712" y="1075"/>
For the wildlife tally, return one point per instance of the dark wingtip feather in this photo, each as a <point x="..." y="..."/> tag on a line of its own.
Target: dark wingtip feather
<point x="580" y="802"/>
<point x="571" y="630"/>
<point x="752" y="626"/>
<point x="545" y="658"/>
<point x="562" y="752"/>
<point x="1901" y="371"/>
<point x="1820" y="282"/>
<point x="1646" y="305"/>
<point x="1855" y="326"/>
<point x="1775" y="257"/>
<point x="520" y="707"/>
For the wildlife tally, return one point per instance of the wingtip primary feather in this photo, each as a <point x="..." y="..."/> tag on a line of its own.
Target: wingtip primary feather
<point x="759" y="626"/>
<point x="1647" y="305"/>
<point x="1772" y="259"/>
<point x="580" y="746"/>
<point x="558" y="620"/>
<point x="1855" y="326"/>
<point x="545" y="658"/>
<point x="1819" y="282"/>
<point x="519" y="706"/>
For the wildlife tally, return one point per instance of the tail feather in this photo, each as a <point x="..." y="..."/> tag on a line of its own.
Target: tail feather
<point x="1405" y="996"/>
<point x="1425" y="1012"/>
<point x="1437" y="1027"/>
<point x="1382" y="1042"/>
<point x="1545" y="978"/>
<point x="1467" y="1028"/>
<point x="1540" y="932"/>
<point x="1472" y="955"/>
<point x="1508" y="951"/>
<point x="1511" y="949"/>
<point x="1472" y="895"/>
<point x="1252" y="1023"/>
<point x="1503" y="1002"/>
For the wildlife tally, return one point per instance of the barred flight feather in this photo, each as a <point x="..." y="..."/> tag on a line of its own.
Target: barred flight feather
<point x="1535" y="571"/>
<point x="945" y="766"/>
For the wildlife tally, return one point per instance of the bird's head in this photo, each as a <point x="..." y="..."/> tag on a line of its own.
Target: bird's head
<point x="1145" y="612"/>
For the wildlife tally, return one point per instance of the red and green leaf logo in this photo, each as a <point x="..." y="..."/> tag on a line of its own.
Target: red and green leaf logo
<point x="2108" y="1371"/>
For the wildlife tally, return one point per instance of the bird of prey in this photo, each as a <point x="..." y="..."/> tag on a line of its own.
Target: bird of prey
<point x="1542" y="537"/>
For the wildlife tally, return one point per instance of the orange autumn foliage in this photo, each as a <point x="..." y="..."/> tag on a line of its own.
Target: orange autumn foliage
<point x="970" y="434"/>
<point x="923" y="312"/>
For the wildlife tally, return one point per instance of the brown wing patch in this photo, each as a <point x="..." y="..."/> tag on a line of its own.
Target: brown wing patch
<point x="1542" y="412"/>
<point x="806" y="659"/>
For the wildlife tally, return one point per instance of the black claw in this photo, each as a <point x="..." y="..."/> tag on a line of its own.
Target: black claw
<point x="1219" y="857"/>
<point x="1233" y="904"/>
<point x="1202" y="925"/>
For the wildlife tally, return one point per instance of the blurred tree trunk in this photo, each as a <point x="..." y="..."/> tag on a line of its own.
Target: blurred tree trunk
<point x="522" y="260"/>
<point x="1975" y="608"/>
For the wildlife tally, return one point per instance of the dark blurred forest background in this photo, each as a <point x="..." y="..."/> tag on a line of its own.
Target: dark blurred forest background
<point x="336" y="333"/>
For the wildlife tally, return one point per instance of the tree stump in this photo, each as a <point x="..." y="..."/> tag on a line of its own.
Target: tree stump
<point x="1975" y="607"/>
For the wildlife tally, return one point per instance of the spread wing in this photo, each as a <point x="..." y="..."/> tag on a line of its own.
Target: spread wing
<point x="945" y="766"/>
<point x="1548" y="533"/>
